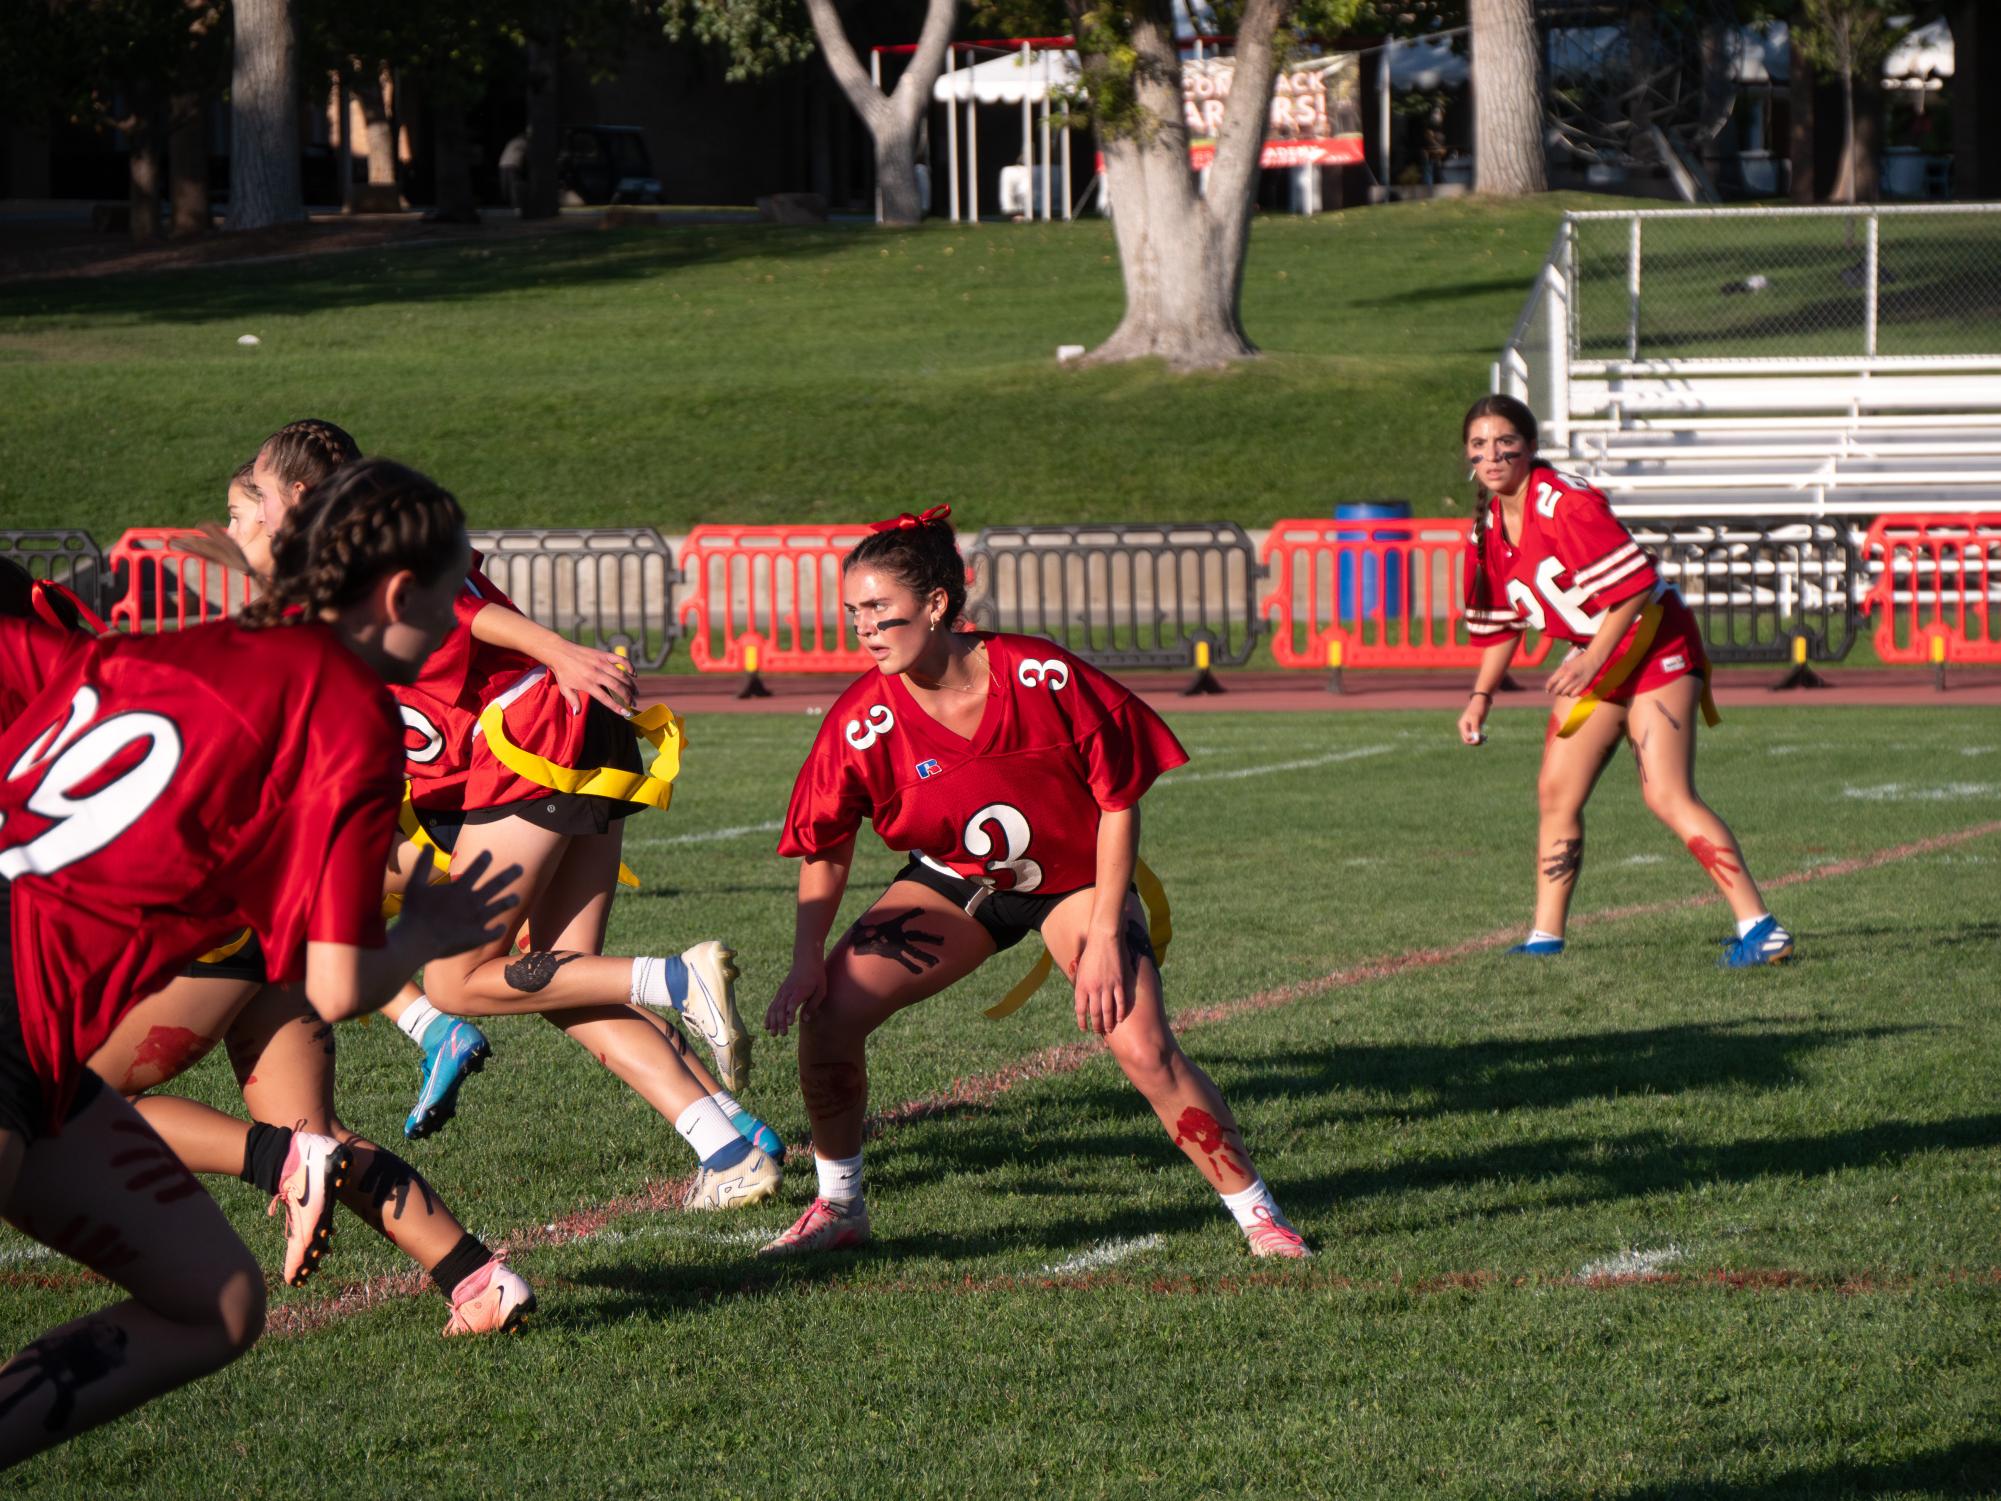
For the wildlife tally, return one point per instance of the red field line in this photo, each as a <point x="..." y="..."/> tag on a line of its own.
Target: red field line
<point x="983" y="1089"/>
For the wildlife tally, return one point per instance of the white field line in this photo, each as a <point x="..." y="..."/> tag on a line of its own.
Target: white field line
<point x="1633" y="1263"/>
<point x="1105" y="1253"/>
<point x="1644" y="860"/>
<point x="708" y="836"/>
<point x="1272" y="768"/>
<point x="24" y="1255"/>
<point x="1906" y="792"/>
<point x="1978" y="750"/>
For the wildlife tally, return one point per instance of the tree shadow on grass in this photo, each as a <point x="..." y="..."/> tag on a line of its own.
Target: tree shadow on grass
<point x="445" y="271"/>
<point x="1456" y="291"/>
<point x="1971" y="1467"/>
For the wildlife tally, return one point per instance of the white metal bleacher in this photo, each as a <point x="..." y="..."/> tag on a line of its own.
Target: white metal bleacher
<point x="1846" y="436"/>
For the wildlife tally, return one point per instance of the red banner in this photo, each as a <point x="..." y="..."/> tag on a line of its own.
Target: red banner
<point x="1316" y="114"/>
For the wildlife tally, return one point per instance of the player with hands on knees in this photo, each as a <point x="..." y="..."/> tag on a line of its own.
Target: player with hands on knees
<point x="1547" y="554"/>
<point x="1011" y="772"/>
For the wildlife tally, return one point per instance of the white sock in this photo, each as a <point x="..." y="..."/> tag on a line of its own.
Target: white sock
<point x="728" y="1103"/>
<point x="413" y="1021"/>
<point x="1537" y="935"/>
<point x="840" y="1177"/>
<point x="705" y="1128"/>
<point x="660" y="982"/>
<point x="1746" y="924"/>
<point x="1245" y="1203"/>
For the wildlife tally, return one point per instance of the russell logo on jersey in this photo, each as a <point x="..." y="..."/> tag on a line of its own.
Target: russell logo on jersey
<point x="927" y="769"/>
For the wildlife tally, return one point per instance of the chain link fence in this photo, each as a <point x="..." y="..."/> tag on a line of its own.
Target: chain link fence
<point x="1867" y="281"/>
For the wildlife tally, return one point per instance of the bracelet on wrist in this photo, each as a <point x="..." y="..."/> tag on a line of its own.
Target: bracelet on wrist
<point x="1483" y="693"/>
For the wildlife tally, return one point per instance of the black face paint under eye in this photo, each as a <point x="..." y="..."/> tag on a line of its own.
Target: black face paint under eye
<point x="891" y="624"/>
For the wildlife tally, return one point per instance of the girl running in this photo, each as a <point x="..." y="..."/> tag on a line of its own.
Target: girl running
<point x="517" y="740"/>
<point x="1548" y="554"/>
<point x="1012" y="772"/>
<point x="147" y="809"/>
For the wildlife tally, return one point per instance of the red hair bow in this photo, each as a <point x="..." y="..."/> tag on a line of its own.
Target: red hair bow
<point x="907" y="522"/>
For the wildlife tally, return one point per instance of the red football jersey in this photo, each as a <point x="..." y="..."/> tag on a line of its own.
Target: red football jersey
<point x="163" y="791"/>
<point x="444" y="756"/>
<point x="1017" y="805"/>
<point x="1574" y="562"/>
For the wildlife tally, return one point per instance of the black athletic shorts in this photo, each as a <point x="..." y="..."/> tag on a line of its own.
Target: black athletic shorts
<point x="246" y="963"/>
<point x="608" y="741"/>
<point x="1008" y="916"/>
<point x="24" y="1108"/>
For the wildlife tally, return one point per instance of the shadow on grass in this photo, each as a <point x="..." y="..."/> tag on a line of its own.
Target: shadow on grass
<point x="1971" y="1467"/>
<point x="1457" y="291"/>
<point x="453" y="270"/>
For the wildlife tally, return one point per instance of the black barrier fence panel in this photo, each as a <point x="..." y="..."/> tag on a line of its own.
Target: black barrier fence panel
<point x="1122" y="596"/>
<point x="607" y="587"/>
<point x="1755" y="587"/>
<point x="71" y="558"/>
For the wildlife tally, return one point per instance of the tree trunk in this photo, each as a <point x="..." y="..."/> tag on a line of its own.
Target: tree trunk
<point x="142" y="129"/>
<point x="1182" y="251"/>
<point x="264" y="118"/>
<point x="1976" y="115"/>
<point x="544" y="125"/>
<point x="1799" y="129"/>
<point x="1507" y="99"/>
<point x="1845" y="189"/>
<point x="187" y="165"/>
<point x="893" y="119"/>
<point x="370" y="82"/>
<point x="450" y="157"/>
<point x="1868" y="164"/>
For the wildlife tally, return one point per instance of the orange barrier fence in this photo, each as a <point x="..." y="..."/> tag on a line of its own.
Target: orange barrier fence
<point x="768" y="599"/>
<point x="167" y="586"/>
<point x="1934" y="599"/>
<point x="1371" y="593"/>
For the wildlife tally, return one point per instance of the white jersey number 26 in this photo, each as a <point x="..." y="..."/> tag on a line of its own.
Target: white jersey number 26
<point x="1013" y="826"/>
<point x="81" y="826"/>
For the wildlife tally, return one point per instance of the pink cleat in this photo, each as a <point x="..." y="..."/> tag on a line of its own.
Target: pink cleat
<point x="827" y="1225"/>
<point x="315" y="1168"/>
<point x="489" y="1301"/>
<point x="1272" y="1236"/>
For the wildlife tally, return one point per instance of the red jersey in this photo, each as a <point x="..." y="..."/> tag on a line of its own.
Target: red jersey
<point x="444" y="754"/>
<point x="1575" y="560"/>
<point x="163" y="791"/>
<point x="1017" y="805"/>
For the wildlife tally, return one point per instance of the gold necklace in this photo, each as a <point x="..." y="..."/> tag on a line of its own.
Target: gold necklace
<point x="978" y="651"/>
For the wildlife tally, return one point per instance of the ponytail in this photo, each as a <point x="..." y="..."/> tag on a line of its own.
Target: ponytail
<point x="921" y="552"/>
<point x="373" y="517"/>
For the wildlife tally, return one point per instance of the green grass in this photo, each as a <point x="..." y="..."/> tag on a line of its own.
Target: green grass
<point x="1820" y="1144"/>
<point x="740" y="373"/>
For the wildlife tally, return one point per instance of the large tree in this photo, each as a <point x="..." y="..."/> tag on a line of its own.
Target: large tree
<point x="1507" y="99"/>
<point x="1849" y="38"/>
<point x="264" y="186"/>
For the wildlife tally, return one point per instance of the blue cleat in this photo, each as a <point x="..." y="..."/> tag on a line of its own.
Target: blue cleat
<point x="453" y="1048"/>
<point x="1538" y="948"/>
<point x="1768" y="943"/>
<point x="759" y="1135"/>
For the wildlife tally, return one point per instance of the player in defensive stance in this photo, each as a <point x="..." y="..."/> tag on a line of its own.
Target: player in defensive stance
<point x="1548" y="554"/>
<point x="1012" y="773"/>
<point x="155" y="798"/>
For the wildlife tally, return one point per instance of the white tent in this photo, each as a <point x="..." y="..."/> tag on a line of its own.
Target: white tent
<point x="1009" y="79"/>
<point x="1025" y="77"/>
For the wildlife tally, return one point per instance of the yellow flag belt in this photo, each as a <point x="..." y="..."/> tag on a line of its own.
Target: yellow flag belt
<point x="1159" y="932"/>
<point x="1622" y="668"/>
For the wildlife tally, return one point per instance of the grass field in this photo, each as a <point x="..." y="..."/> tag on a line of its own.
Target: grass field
<point x="1619" y="1225"/>
<point x="742" y="373"/>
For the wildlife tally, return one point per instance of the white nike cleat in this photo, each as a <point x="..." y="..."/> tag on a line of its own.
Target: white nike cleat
<point x="711" y="1010"/>
<point x="751" y="1181"/>
<point x="1272" y="1236"/>
<point x="827" y="1225"/>
<point x="315" y="1168"/>
<point x="493" y="1300"/>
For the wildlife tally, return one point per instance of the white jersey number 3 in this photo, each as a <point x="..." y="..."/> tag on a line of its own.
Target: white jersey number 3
<point x="1013" y="827"/>
<point x="81" y="826"/>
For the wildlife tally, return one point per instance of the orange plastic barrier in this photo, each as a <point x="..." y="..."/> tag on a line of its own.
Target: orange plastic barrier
<point x="768" y="599"/>
<point x="199" y="588"/>
<point x="1933" y="602"/>
<point x="1372" y="593"/>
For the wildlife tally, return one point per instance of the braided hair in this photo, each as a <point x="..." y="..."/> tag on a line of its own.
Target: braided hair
<point x="1517" y="415"/>
<point x="307" y="451"/>
<point x="373" y="517"/>
<point x="920" y="552"/>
